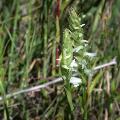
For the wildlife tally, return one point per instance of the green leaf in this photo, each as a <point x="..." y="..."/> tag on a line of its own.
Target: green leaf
<point x="69" y="97"/>
<point x="94" y="82"/>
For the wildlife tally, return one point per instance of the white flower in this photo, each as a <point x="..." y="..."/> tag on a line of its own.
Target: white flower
<point x="90" y="54"/>
<point x="114" y="61"/>
<point x="82" y="25"/>
<point x="75" y="81"/>
<point x="73" y="64"/>
<point x="77" y="49"/>
<point x="84" y="41"/>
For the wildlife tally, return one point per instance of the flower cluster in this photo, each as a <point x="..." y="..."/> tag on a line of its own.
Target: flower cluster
<point x="75" y="58"/>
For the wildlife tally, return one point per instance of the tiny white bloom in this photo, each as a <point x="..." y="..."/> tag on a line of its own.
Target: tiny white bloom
<point x="90" y="54"/>
<point x="75" y="81"/>
<point x="76" y="28"/>
<point x="86" y="45"/>
<point x="82" y="25"/>
<point x="114" y="61"/>
<point x="84" y="41"/>
<point x="77" y="49"/>
<point x="73" y="64"/>
<point x="83" y="16"/>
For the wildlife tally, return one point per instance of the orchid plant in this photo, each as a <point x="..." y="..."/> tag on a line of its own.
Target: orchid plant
<point x="75" y="58"/>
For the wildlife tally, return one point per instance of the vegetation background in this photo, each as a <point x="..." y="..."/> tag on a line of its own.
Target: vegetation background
<point x="31" y="37"/>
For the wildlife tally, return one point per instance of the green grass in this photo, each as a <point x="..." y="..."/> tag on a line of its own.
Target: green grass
<point x="29" y="36"/>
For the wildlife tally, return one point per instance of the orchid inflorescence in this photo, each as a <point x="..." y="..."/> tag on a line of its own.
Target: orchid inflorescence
<point x="75" y="57"/>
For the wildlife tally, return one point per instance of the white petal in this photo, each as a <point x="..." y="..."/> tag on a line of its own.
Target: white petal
<point x="84" y="41"/>
<point x="82" y="25"/>
<point x="114" y="61"/>
<point x="78" y="48"/>
<point x="90" y="54"/>
<point x="76" y="85"/>
<point x="75" y="81"/>
<point x="73" y="64"/>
